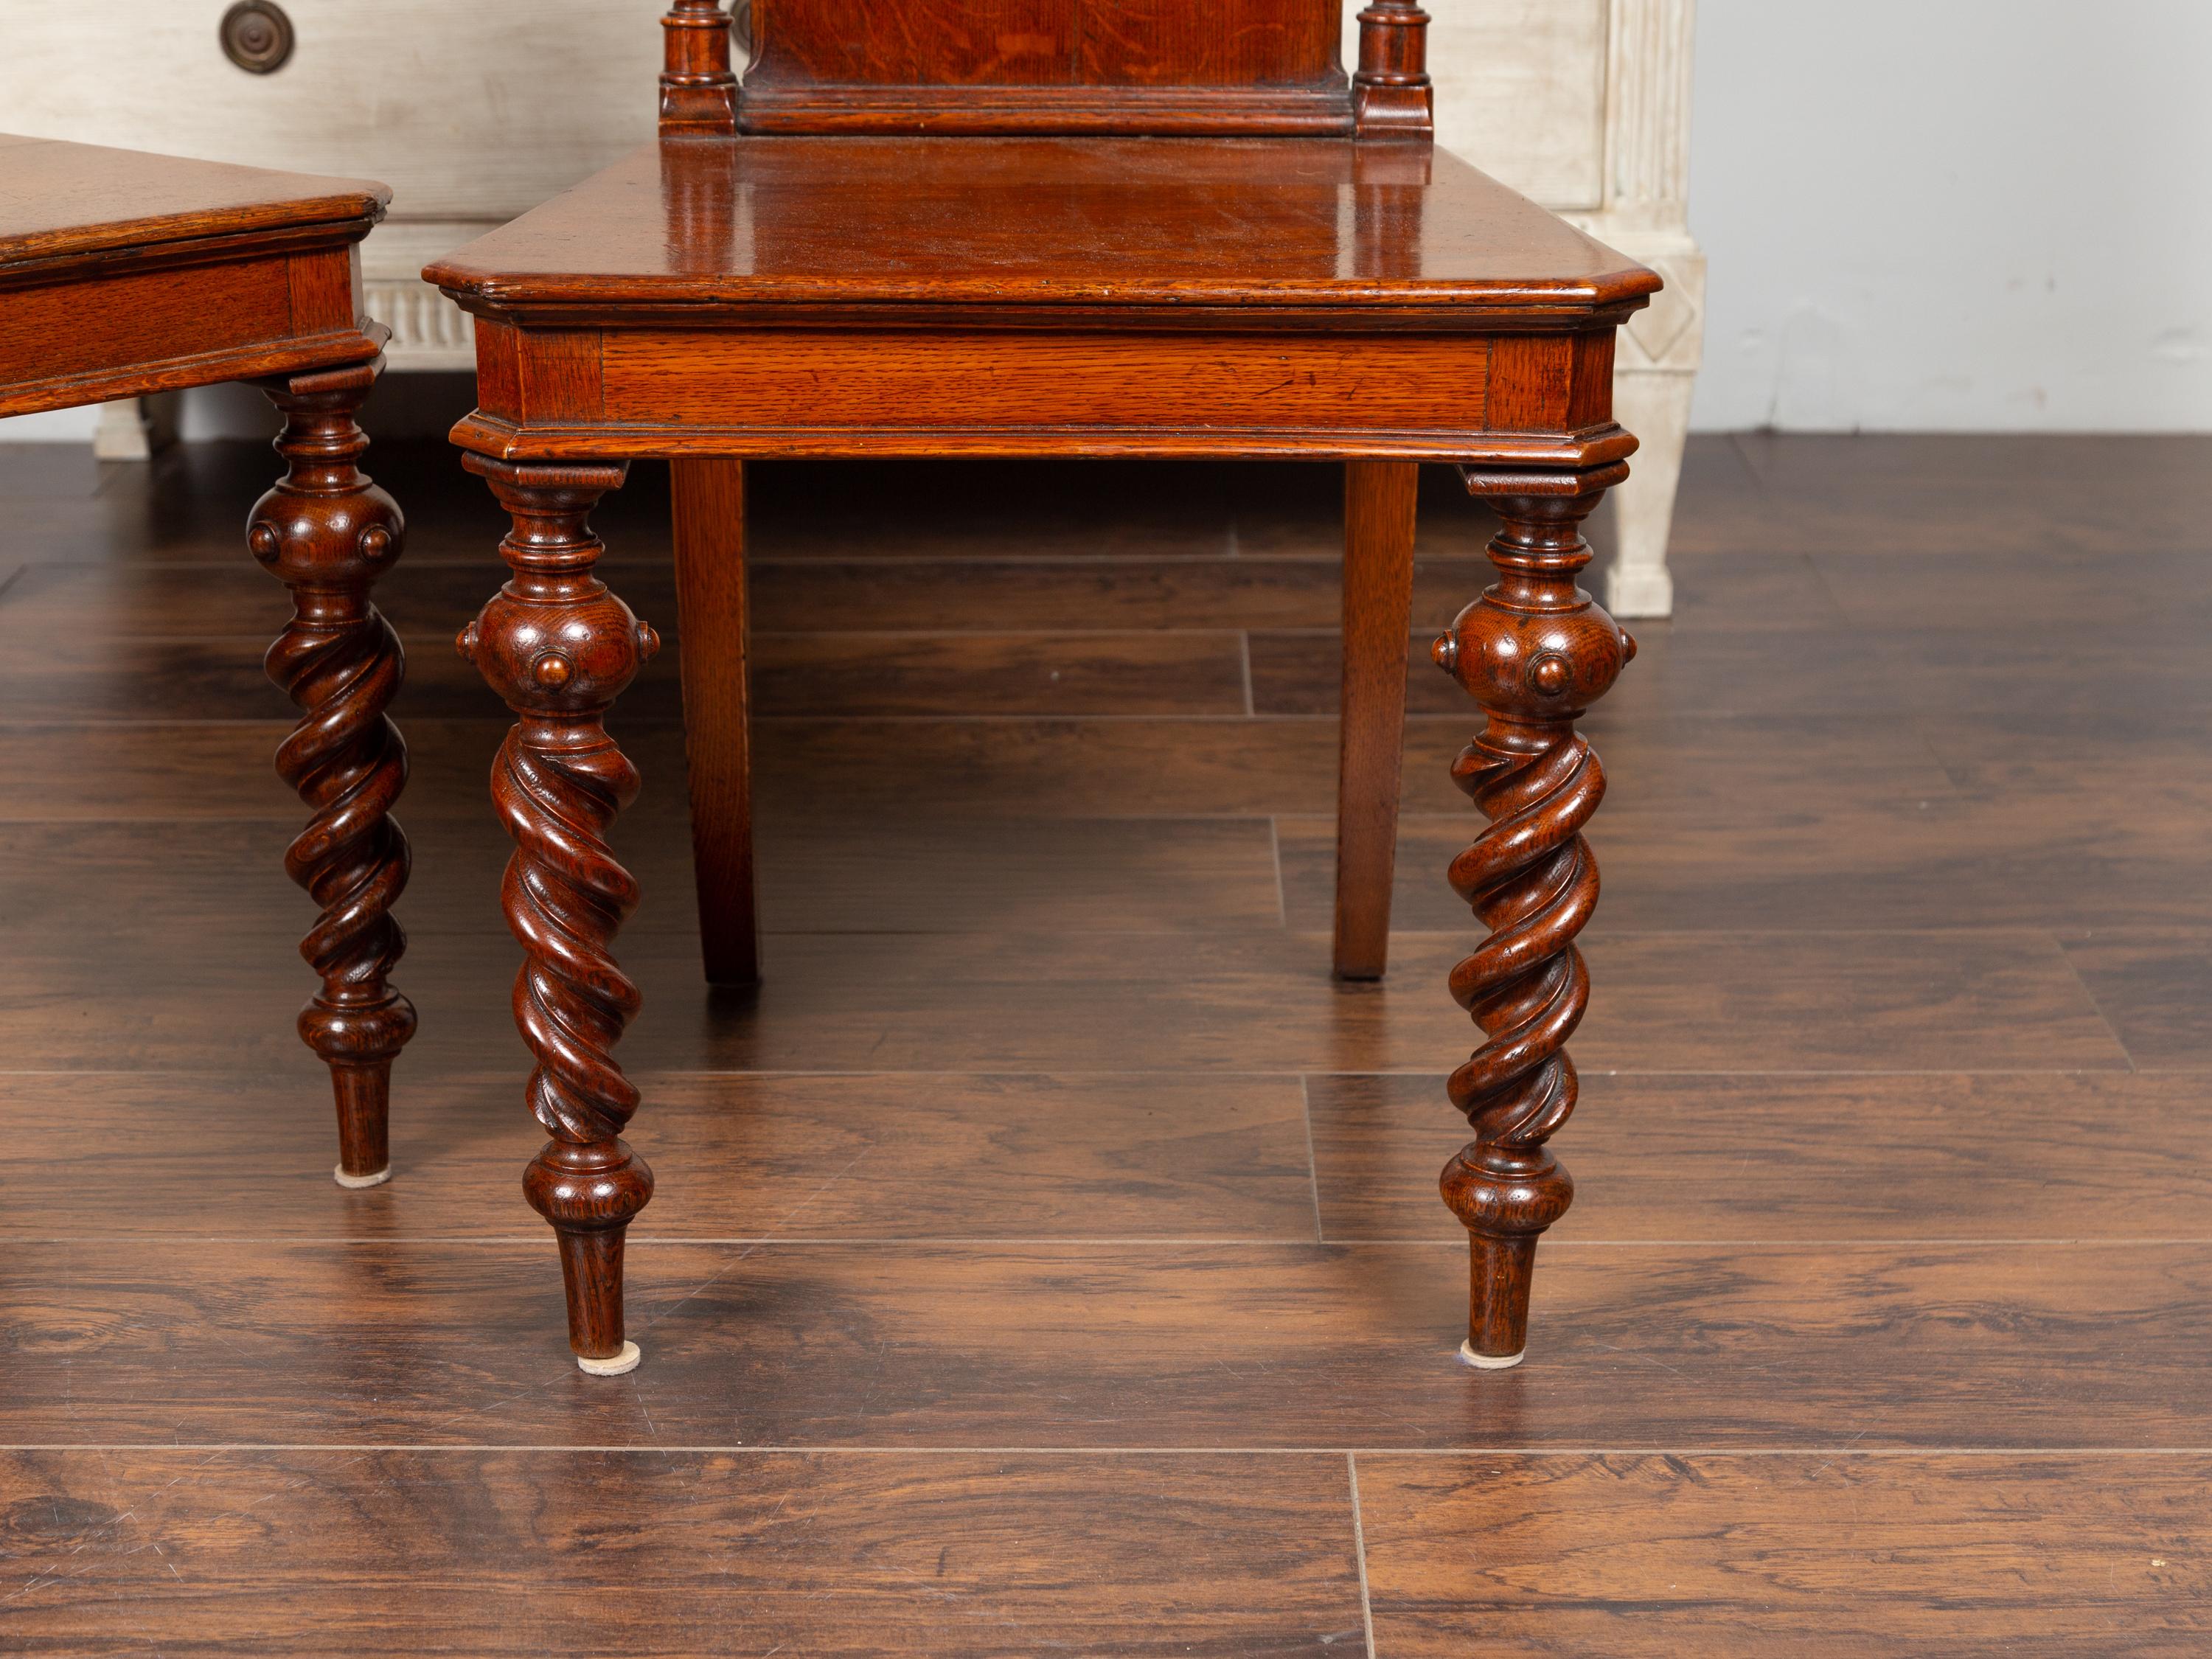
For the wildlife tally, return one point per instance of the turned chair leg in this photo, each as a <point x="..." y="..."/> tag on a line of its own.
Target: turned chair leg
<point x="1536" y="652"/>
<point x="714" y="643"/>
<point x="1380" y="502"/>
<point x="329" y="534"/>
<point x="559" y="647"/>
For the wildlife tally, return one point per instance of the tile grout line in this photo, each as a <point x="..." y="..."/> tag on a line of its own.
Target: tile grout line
<point x="248" y="1074"/>
<point x="2096" y="1006"/>
<point x="1275" y="851"/>
<point x="806" y="562"/>
<point x="1416" y="719"/>
<point x="1810" y="1243"/>
<point x="804" y="1449"/>
<point x="674" y="722"/>
<point x="1313" y="1163"/>
<point x="770" y="1073"/>
<point x="1359" y="1553"/>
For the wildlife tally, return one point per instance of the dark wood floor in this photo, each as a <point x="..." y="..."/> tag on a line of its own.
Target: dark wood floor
<point x="1050" y="1259"/>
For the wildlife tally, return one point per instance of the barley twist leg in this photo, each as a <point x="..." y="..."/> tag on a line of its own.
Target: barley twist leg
<point x="1535" y="651"/>
<point x="560" y="648"/>
<point x="328" y="535"/>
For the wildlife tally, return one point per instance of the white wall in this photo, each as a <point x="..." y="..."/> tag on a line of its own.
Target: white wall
<point x="1955" y="214"/>
<point x="56" y="426"/>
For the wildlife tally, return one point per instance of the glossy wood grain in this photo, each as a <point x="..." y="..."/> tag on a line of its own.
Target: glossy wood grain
<point x="1113" y="65"/>
<point x="1072" y="1345"/>
<point x="887" y="593"/>
<point x="1965" y="493"/>
<point x="1656" y="1556"/>
<point x="1183" y="766"/>
<point x="69" y="333"/>
<point x="1943" y="1156"/>
<point x="1150" y="1156"/>
<point x="1217" y="1002"/>
<point x="1106" y="1156"/>
<point x="1025" y="672"/>
<point x="78" y="202"/>
<point x="704" y="1554"/>
<point x="1080" y="768"/>
<point x="1097" y="66"/>
<point x="946" y="380"/>
<point x="1149" y="875"/>
<point x="1108" y="224"/>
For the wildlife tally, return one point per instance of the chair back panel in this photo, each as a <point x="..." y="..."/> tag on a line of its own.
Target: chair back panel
<point x="1262" y="66"/>
<point x="1048" y="43"/>
<point x="1256" y="67"/>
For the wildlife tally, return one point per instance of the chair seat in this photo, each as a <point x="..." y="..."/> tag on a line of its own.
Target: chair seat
<point x="66" y="203"/>
<point x="1097" y="226"/>
<point x="122" y="273"/>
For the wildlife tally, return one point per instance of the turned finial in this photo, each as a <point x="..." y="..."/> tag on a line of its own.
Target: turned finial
<point x="698" y="88"/>
<point x="1392" y="97"/>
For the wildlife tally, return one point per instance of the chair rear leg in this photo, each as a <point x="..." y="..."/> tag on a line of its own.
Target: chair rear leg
<point x="713" y="623"/>
<point x="1380" y="502"/>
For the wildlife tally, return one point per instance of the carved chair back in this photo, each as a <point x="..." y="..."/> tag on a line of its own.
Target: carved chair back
<point x="1253" y="68"/>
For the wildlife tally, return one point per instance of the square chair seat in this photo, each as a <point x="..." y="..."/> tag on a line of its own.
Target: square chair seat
<point x="122" y="273"/>
<point x="1098" y="225"/>
<point x="68" y="205"/>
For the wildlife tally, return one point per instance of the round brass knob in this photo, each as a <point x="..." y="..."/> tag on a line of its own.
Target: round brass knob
<point x="257" y="36"/>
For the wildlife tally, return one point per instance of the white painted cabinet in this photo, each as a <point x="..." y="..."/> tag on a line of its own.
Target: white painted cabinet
<point x="474" y="112"/>
<point x="471" y="113"/>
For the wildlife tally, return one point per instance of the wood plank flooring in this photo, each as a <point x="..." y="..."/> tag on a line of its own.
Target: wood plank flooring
<point x="1049" y="1259"/>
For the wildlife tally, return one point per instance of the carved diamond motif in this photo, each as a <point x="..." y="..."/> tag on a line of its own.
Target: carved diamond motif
<point x="1661" y="326"/>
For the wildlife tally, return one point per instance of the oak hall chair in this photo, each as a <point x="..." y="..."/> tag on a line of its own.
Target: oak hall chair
<point x="1047" y="228"/>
